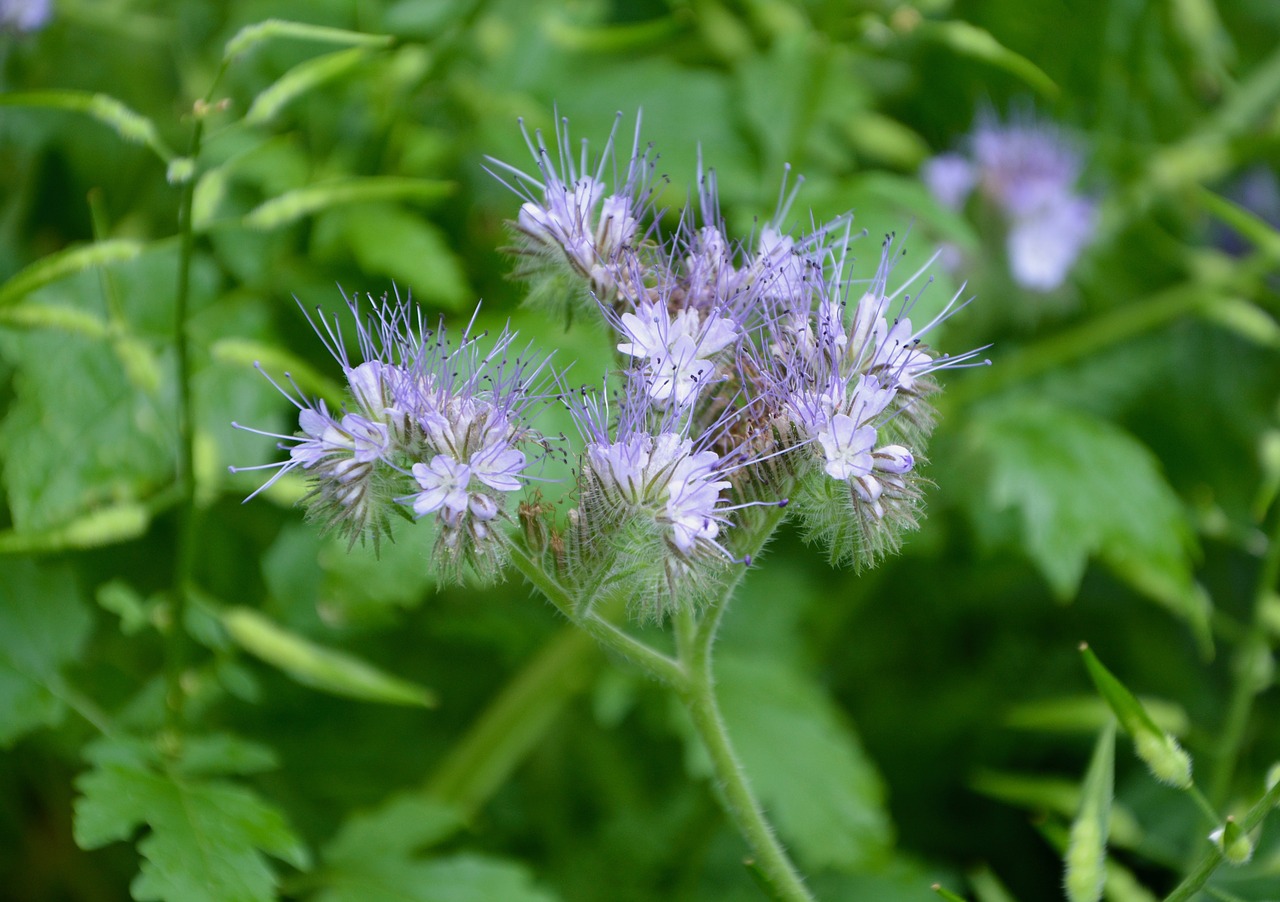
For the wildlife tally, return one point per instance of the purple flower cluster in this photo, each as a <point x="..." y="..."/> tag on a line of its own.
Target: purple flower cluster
<point x="434" y="427"/>
<point x="1028" y="171"/>
<point x="755" y="372"/>
<point x="751" y="374"/>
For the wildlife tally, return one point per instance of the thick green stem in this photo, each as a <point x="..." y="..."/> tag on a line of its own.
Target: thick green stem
<point x="515" y="721"/>
<point x="771" y="863"/>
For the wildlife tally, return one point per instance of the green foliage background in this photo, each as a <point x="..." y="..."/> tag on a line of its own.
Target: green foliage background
<point x="1108" y="479"/>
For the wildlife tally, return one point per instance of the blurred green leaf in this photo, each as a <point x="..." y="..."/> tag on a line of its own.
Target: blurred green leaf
<point x="130" y="125"/>
<point x="413" y="252"/>
<point x="400" y="827"/>
<point x="206" y="840"/>
<point x="455" y="878"/>
<point x="1088" y="714"/>
<point x="1058" y="796"/>
<point x="302" y="202"/>
<point x="1086" y="856"/>
<point x="43" y="627"/>
<point x="978" y="43"/>
<point x="1082" y="486"/>
<point x="299" y="80"/>
<point x="106" y="525"/>
<point x="250" y="36"/>
<point x="61" y="264"/>
<point x="318" y="667"/>
<point x="805" y="763"/>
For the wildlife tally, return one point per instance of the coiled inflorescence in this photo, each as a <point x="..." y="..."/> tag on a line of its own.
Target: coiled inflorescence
<point x="430" y="428"/>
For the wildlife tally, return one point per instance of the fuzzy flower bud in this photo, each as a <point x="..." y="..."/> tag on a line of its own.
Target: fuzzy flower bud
<point x="1234" y="844"/>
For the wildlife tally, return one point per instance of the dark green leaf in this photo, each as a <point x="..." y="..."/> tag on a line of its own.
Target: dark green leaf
<point x="43" y="627"/>
<point x="206" y="840"/>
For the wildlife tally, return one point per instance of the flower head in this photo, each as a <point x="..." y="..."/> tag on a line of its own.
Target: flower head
<point x="436" y="426"/>
<point x="575" y="221"/>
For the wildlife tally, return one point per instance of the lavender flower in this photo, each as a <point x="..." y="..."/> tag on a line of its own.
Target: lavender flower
<point x="436" y="427"/>
<point x="24" y="15"/>
<point x="847" y="392"/>
<point x="1028" y="171"/>
<point x="571" y="223"/>
<point x="653" y="498"/>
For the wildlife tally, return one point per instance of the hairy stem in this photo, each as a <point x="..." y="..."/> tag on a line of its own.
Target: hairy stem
<point x="1213" y="860"/>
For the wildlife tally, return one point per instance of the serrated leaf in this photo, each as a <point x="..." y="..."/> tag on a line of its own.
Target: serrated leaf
<point x="805" y="762"/>
<point x="1081" y="486"/>
<point x="43" y="627"/>
<point x="206" y="840"/>
<point x="297" y="204"/>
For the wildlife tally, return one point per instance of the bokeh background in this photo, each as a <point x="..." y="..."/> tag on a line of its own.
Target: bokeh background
<point x="1108" y="479"/>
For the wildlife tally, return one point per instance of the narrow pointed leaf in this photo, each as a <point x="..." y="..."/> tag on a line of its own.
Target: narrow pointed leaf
<point x="1086" y="856"/>
<point x="294" y="205"/>
<point x="130" y="125"/>
<point x="64" y="263"/>
<point x="319" y="667"/>
<point x="300" y="79"/>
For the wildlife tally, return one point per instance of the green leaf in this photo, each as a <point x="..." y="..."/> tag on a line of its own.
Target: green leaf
<point x="43" y="627"/>
<point x="61" y="264"/>
<point x="206" y="840"/>
<point x="376" y="858"/>
<point x="1088" y="714"/>
<point x="130" y="125"/>
<point x="318" y="667"/>
<point x="400" y="827"/>
<point x="1058" y="796"/>
<point x="457" y="878"/>
<point x="413" y="252"/>
<point x="978" y="43"/>
<point x="805" y="762"/>
<point x="1086" y="857"/>
<point x="300" y="79"/>
<point x="109" y="525"/>
<point x="251" y="36"/>
<point x="1081" y="486"/>
<point x="302" y="202"/>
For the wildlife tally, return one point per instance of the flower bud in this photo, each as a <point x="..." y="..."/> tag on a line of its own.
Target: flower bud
<point x="1232" y="842"/>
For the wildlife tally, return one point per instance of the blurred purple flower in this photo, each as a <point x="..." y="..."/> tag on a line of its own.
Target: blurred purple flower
<point x="1027" y="170"/>
<point x="24" y="15"/>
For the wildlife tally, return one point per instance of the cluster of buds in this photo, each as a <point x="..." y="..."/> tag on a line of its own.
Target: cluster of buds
<point x="756" y="374"/>
<point x="1026" y="170"/>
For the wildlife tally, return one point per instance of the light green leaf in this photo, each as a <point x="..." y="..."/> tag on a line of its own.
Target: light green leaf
<point x="130" y="125"/>
<point x="1081" y="486"/>
<point x="413" y="252"/>
<point x="206" y="840"/>
<point x="61" y="264"/>
<point x="318" y="667"/>
<point x="300" y="79"/>
<point x="978" y="43"/>
<point x="302" y="202"/>
<point x="805" y="762"/>
<point x="1086" y="856"/>
<point x="404" y="825"/>
<point x="43" y="627"/>
<point x="108" y="525"/>
<point x="251" y="36"/>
